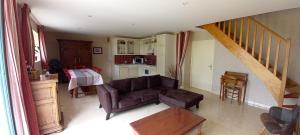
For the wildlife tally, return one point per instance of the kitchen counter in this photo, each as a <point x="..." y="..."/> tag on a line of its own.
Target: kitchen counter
<point x="135" y="65"/>
<point x="122" y="71"/>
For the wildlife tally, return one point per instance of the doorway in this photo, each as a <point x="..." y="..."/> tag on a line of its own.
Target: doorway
<point x="202" y="59"/>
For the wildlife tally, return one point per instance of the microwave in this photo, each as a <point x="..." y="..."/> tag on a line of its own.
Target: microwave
<point x="139" y="60"/>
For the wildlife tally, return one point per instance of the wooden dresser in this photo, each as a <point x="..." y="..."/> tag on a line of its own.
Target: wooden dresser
<point x="47" y="104"/>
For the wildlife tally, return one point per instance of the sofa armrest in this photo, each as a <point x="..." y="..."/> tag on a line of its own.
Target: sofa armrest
<point x="169" y="82"/>
<point x="104" y="98"/>
<point x="281" y="114"/>
<point x="114" y="95"/>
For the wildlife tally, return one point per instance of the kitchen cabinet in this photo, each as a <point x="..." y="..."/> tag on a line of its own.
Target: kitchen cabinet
<point x="131" y="71"/>
<point x="148" y="46"/>
<point x="125" y="46"/>
<point x="123" y="72"/>
<point x="165" y="53"/>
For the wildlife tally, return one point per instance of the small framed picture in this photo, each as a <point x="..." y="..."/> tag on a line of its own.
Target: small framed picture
<point x="97" y="50"/>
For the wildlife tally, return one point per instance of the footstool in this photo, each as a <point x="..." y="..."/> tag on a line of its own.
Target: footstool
<point x="180" y="98"/>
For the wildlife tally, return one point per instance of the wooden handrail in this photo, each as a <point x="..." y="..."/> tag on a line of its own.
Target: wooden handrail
<point x="268" y="29"/>
<point x="241" y="35"/>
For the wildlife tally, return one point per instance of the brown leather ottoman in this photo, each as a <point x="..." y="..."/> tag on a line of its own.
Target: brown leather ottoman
<point x="180" y="98"/>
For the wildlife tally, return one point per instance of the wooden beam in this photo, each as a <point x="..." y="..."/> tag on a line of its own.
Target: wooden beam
<point x="224" y="26"/>
<point x="254" y="39"/>
<point x="261" y="45"/>
<point x="247" y="33"/>
<point x="276" y="56"/>
<point x="269" y="51"/>
<point x="229" y="29"/>
<point x="241" y="31"/>
<point x="234" y="33"/>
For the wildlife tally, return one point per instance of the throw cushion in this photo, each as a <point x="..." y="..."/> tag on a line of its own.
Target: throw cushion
<point x="154" y="81"/>
<point x="123" y="85"/>
<point x="138" y="83"/>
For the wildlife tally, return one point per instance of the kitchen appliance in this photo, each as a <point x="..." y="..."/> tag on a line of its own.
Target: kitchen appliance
<point x="139" y="60"/>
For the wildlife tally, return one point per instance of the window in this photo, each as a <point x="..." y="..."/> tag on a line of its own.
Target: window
<point x="36" y="46"/>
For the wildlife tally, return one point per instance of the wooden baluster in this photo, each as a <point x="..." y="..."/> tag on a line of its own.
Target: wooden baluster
<point x="276" y="56"/>
<point x="261" y="44"/>
<point x="254" y="39"/>
<point x="229" y="29"/>
<point x="219" y="25"/>
<point x="241" y="32"/>
<point x="247" y="34"/>
<point x="284" y="71"/>
<point x="269" y="50"/>
<point x="224" y="27"/>
<point x="234" y="34"/>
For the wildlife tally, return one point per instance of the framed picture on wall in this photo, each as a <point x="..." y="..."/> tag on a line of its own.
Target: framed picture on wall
<point x="97" y="50"/>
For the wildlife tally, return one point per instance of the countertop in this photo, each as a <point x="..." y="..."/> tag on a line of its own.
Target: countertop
<point x="135" y="65"/>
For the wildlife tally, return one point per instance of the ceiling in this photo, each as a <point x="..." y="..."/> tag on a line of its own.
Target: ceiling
<point x="139" y="18"/>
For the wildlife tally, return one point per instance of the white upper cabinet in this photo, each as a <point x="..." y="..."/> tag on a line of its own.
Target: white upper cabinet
<point x="148" y="45"/>
<point x="123" y="46"/>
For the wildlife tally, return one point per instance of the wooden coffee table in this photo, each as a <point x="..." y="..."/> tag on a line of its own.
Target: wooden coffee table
<point x="172" y="121"/>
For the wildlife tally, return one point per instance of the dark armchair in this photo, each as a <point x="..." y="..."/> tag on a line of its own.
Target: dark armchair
<point x="280" y="120"/>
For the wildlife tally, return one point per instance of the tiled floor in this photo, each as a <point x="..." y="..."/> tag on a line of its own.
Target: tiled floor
<point x="83" y="117"/>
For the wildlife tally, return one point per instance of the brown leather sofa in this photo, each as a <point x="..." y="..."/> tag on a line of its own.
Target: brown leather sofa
<point x="125" y="94"/>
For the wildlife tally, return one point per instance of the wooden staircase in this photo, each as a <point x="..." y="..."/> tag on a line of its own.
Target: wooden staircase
<point x="263" y="51"/>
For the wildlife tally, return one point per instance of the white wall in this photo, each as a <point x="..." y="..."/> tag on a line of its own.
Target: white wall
<point x="257" y="93"/>
<point x="99" y="60"/>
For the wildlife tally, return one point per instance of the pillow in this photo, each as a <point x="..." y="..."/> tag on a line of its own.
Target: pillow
<point x="154" y="81"/>
<point x="139" y="83"/>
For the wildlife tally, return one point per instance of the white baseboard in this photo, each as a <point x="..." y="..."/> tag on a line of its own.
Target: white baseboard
<point x="251" y="103"/>
<point x="258" y="105"/>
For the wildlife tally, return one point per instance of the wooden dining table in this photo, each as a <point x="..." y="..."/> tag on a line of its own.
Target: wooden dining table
<point x="83" y="77"/>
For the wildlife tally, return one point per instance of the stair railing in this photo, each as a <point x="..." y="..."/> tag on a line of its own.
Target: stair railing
<point x="265" y="45"/>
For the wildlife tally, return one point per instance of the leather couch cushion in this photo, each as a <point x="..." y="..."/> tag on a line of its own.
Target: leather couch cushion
<point x="139" y="83"/>
<point x="154" y="81"/>
<point x="129" y="100"/>
<point x="123" y="86"/>
<point x="181" y="98"/>
<point x="146" y="94"/>
<point x="169" y="83"/>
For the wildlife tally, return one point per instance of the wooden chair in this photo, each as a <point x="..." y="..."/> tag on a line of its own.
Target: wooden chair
<point x="91" y="89"/>
<point x="97" y="69"/>
<point x="66" y="72"/>
<point x="233" y="83"/>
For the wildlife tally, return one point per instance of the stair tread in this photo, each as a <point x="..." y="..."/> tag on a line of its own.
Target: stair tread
<point x="295" y="89"/>
<point x="289" y="106"/>
<point x="292" y="95"/>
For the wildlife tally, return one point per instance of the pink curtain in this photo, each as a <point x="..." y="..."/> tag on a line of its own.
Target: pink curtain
<point x="182" y="42"/>
<point x="43" y="47"/>
<point x="21" y="94"/>
<point x="27" y="36"/>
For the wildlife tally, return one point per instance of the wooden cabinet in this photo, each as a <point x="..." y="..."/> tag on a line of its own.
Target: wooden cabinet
<point x="75" y="53"/>
<point x="47" y="104"/>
